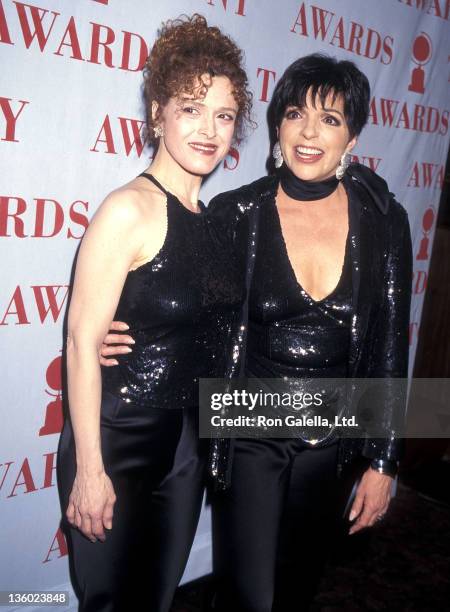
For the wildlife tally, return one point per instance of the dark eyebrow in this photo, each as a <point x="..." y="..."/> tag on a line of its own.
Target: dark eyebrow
<point x="333" y="110"/>
<point x="327" y="110"/>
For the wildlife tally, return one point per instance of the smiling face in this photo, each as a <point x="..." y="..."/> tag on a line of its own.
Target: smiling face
<point x="198" y="131"/>
<point x="314" y="138"/>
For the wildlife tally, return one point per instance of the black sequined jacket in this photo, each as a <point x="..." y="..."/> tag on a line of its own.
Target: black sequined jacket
<point x="381" y="277"/>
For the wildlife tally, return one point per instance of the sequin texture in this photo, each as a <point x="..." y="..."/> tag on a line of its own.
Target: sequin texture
<point x="181" y="308"/>
<point x="381" y="275"/>
<point x="290" y="334"/>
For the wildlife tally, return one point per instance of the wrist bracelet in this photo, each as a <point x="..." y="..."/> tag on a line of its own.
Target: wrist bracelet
<point x="385" y="466"/>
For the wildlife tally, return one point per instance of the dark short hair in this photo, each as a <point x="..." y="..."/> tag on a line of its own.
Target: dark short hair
<point x="323" y="75"/>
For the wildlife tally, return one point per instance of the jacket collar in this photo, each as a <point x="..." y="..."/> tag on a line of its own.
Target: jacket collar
<point x="362" y="217"/>
<point x="375" y="186"/>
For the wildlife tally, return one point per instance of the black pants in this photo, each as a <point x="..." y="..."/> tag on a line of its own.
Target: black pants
<point x="156" y="465"/>
<point x="273" y="527"/>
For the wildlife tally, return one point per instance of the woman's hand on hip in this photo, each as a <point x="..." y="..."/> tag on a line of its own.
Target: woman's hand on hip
<point x="91" y="505"/>
<point x="371" y="501"/>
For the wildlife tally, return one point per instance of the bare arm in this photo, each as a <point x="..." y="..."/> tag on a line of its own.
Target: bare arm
<point x="111" y="245"/>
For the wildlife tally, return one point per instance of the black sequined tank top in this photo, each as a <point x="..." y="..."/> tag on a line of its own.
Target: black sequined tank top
<point x="290" y="333"/>
<point x="180" y="308"/>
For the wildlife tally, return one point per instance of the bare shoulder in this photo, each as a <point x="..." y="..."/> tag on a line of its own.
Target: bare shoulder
<point x="132" y="221"/>
<point x="133" y="204"/>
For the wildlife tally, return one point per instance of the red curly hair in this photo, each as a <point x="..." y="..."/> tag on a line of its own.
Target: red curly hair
<point x="186" y="49"/>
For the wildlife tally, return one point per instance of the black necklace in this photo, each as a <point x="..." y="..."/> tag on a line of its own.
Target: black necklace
<point x="298" y="189"/>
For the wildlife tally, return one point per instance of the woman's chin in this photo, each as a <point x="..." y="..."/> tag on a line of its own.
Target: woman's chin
<point x="200" y="167"/>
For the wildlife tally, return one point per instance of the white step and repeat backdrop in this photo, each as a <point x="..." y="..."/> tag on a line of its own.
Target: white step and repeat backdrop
<point x="71" y="120"/>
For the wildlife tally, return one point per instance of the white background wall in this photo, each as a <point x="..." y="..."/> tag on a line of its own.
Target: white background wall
<point x="67" y="107"/>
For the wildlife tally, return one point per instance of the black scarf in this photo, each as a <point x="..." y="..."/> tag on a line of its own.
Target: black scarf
<point x="298" y="189"/>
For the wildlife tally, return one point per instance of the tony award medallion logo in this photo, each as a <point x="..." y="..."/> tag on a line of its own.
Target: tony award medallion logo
<point x="427" y="224"/>
<point x="54" y="413"/>
<point x="421" y="52"/>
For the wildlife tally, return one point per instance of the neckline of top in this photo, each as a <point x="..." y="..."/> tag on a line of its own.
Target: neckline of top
<point x="168" y="194"/>
<point x="345" y="261"/>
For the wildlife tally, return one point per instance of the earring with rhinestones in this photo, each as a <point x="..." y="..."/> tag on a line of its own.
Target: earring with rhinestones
<point x="344" y="164"/>
<point x="158" y="131"/>
<point x="277" y="155"/>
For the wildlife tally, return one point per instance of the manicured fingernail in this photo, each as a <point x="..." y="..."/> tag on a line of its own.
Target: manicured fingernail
<point x="352" y="515"/>
<point x="128" y="349"/>
<point x="115" y="362"/>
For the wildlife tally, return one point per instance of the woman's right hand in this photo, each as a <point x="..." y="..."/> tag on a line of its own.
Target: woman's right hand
<point x="115" y="344"/>
<point x="91" y="505"/>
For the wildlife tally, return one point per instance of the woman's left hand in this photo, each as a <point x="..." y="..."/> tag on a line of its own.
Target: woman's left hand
<point x="372" y="499"/>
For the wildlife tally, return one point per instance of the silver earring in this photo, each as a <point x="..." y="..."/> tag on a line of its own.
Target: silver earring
<point x="277" y="155"/>
<point x="344" y="164"/>
<point x="158" y="131"/>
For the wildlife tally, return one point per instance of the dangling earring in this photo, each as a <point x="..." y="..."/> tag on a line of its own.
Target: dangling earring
<point x="158" y="131"/>
<point x="277" y="155"/>
<point x="345" y="162"/>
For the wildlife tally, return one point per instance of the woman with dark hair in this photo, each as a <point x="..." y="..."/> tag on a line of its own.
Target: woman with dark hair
<point x="329" y="279"/>
<point x="130" y="464"/>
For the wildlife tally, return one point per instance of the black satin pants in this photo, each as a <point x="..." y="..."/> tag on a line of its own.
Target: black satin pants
<point x="273" y="528"/>
<point x="156" y="463"/>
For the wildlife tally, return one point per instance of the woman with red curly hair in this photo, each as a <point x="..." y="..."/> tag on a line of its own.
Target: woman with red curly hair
<point x="131" y="466"/>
